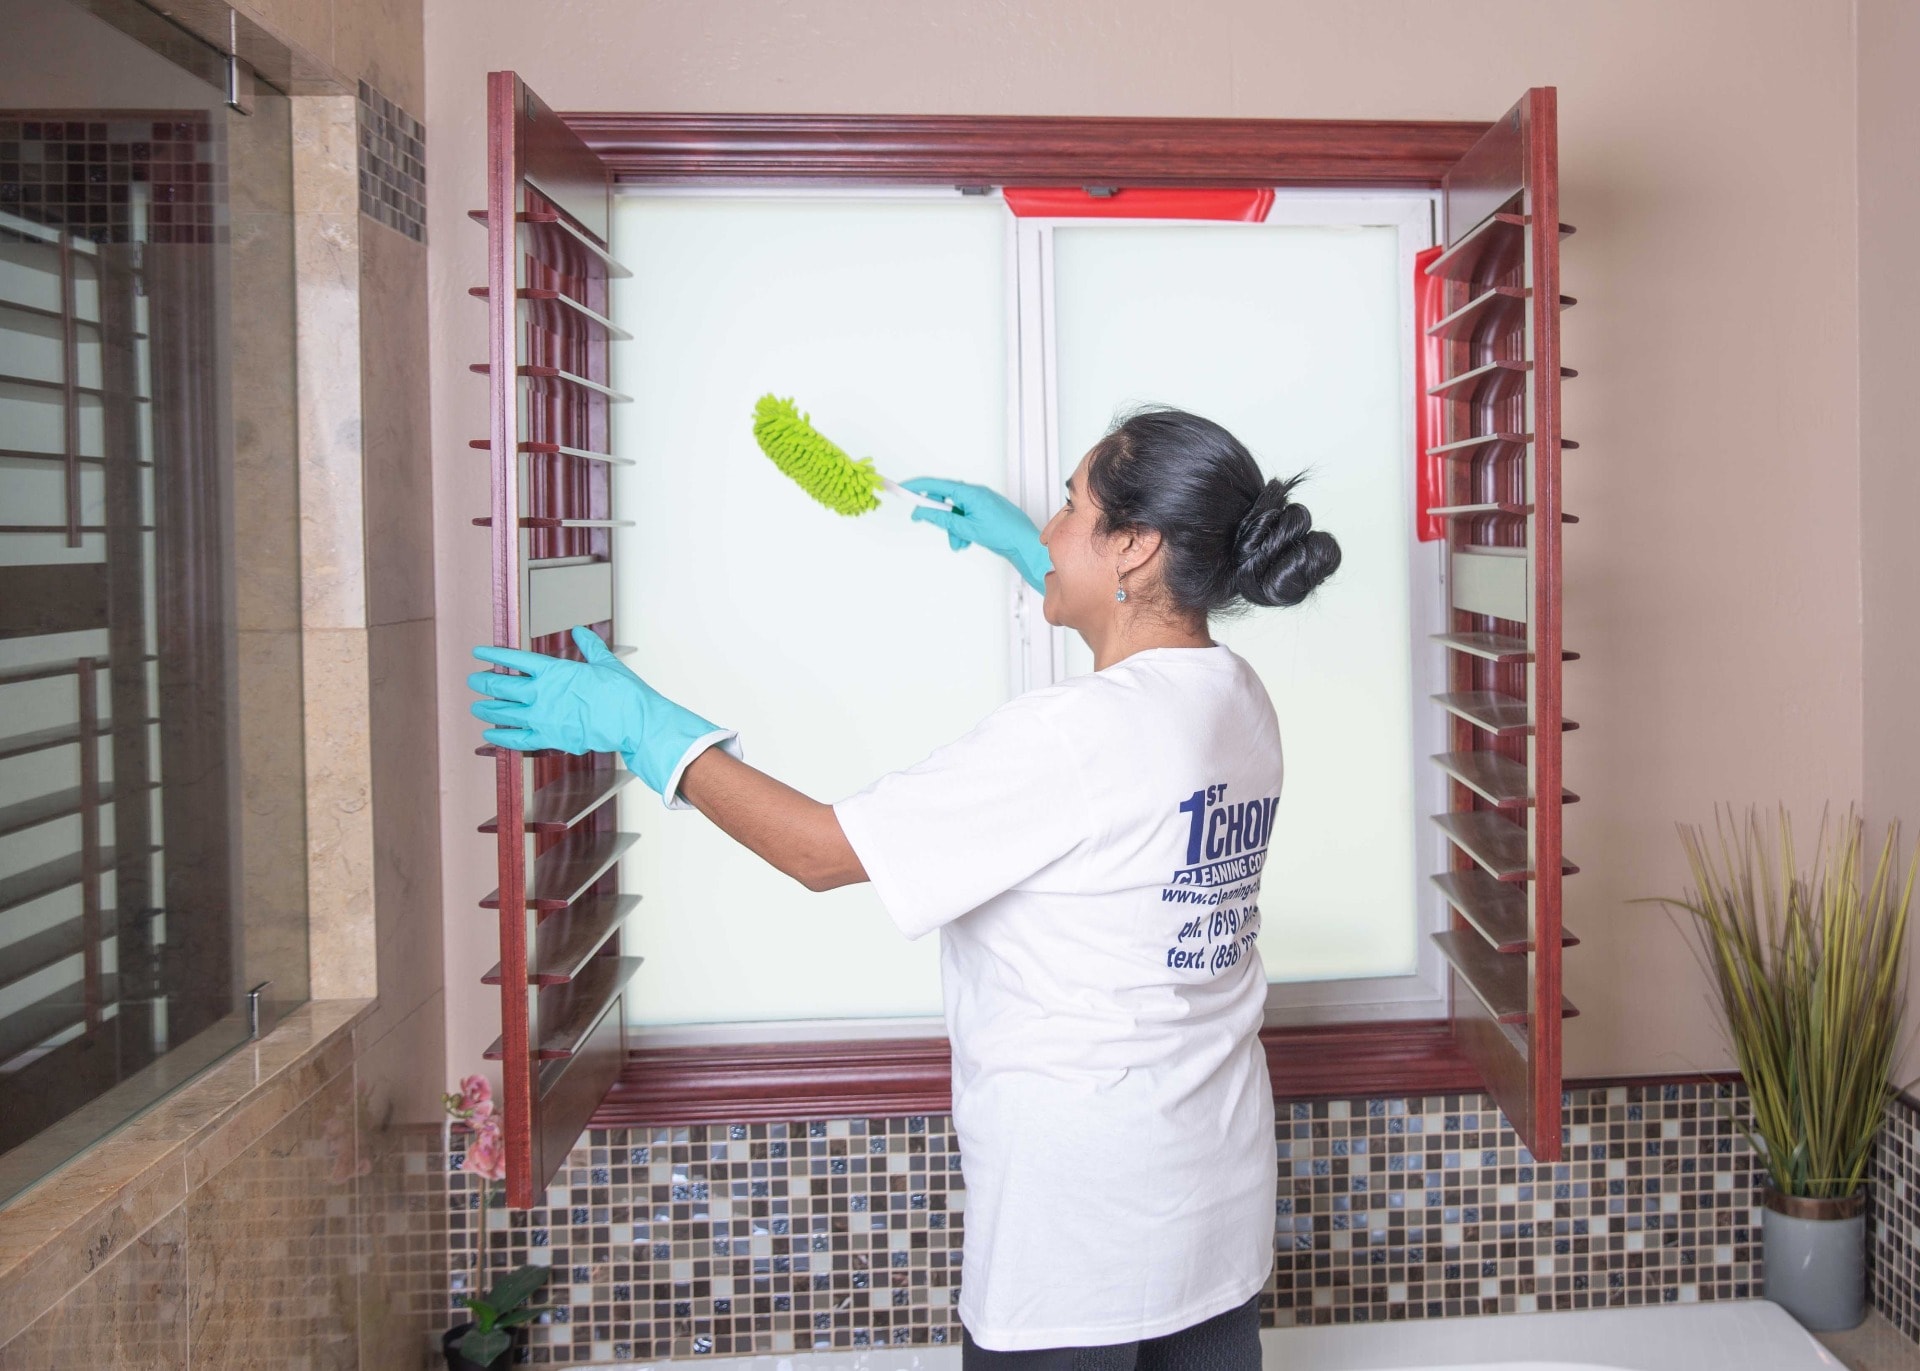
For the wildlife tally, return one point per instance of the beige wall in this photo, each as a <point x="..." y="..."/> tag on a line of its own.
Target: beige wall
<point x="1708" y="158"/>
<point x="1889" y="132"/>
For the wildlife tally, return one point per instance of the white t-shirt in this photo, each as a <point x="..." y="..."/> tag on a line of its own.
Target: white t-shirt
<point x="1091" y="854"/>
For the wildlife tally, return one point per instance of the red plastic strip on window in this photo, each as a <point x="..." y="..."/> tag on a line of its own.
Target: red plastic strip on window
<point x="1140" y="202"/>
<point x="1429" y="412"/>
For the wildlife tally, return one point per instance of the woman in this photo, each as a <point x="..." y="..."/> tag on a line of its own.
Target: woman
<point x="1091" y="853"/>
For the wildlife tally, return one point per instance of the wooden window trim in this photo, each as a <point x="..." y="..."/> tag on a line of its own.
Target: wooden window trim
<point x="949" y="149"/>
<point x="758" y="1082"/>
<point x="762" y="1082"/>
<point x="773" y="1082"/>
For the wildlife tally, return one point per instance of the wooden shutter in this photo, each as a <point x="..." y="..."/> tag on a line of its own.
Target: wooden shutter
<point x="1499" y="474"/>
<point x="561" y="973"/>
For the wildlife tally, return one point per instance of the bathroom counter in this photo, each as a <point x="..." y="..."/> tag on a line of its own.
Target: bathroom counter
<point x="1875" y="1345"/>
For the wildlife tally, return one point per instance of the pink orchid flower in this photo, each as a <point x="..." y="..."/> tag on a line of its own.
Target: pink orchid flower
<point x="476" y="1095"/>
<point x="487" y="1152"/>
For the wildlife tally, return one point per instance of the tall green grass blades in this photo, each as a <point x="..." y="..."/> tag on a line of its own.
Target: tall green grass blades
<point x="812" y="460"/>
<point x="1807" y="964"/>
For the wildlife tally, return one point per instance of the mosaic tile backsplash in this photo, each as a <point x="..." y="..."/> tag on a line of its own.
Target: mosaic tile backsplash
<point x="121" y="179"/>
<point x="1893" y="1226"/>
<point x="727" y="1240"/>
<point x="392" y="165"/>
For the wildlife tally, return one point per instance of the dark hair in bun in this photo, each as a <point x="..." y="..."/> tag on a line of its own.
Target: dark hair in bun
<point x="1280" y="554"/>
<point x="1228" y="534"/>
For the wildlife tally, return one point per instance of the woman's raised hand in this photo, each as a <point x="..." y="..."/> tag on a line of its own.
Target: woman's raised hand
<point x="985" y="516"/>
<point x="598" y="705"/>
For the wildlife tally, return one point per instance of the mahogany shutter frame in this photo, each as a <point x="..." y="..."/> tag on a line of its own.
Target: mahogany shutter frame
<point x="560" y="911"/>
<point x="1501" y="445"/>
<point x="1480" y="167"/>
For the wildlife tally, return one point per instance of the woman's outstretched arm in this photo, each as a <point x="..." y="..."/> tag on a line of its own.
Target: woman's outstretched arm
<point x="598" y="704"/>
<point x="796" y="835"/>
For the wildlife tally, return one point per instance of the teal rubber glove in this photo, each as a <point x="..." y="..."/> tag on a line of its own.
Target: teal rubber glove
<point x="598" y="705"/>
<point x="984" y="516"/>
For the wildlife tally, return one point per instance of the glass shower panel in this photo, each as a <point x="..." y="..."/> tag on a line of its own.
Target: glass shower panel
<point x="149" y="631"/>
<point x="1290" y="337"/>
<point x="840" y="648"/>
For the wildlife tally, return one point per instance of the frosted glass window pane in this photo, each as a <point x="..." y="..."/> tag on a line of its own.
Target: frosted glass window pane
<point x="840" y="648"/>
<point x="1290" y="338"/>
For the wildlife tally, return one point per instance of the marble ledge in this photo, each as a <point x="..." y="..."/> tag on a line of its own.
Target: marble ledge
<point x="1876" y="1345"/>
<point x="56" y="1234"/>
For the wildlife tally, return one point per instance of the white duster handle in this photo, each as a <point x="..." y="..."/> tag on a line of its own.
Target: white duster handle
<point x="906" y="494"/>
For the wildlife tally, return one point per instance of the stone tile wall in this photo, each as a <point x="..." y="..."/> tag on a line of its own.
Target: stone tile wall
<point x="287" y="1212"/>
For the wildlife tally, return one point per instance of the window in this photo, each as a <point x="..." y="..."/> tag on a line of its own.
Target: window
<point x="840" y="649"/>
<point x="1490" y="446"/>
<point x="940" y="334"/>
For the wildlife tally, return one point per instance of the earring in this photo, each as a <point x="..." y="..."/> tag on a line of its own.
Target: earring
<point x="1120" y="591"/>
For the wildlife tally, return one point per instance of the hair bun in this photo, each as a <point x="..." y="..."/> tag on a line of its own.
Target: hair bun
<point x="1281" y="556"/>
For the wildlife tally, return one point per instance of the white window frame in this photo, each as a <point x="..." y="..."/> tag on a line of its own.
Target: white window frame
<point x="1036" y="470"/>
<point x="1038" y="654"/>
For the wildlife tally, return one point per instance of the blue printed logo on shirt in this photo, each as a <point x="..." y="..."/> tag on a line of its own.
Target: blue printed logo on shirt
<point x="1226" y="850"/>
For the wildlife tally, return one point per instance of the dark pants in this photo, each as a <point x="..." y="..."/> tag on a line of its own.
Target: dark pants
<point x="1225" y="1342"/>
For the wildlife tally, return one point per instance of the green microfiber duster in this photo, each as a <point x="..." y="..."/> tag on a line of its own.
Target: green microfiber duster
<point x="817" y="464"/>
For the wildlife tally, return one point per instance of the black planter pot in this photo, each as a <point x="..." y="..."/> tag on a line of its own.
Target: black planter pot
<point x="456" y="1362"/>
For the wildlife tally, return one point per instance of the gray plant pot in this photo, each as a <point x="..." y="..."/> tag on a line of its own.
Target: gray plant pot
<point x="1816" y="1257"/>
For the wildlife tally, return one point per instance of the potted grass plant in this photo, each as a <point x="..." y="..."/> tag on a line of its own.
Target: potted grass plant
<point x="1808" y="972"/>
